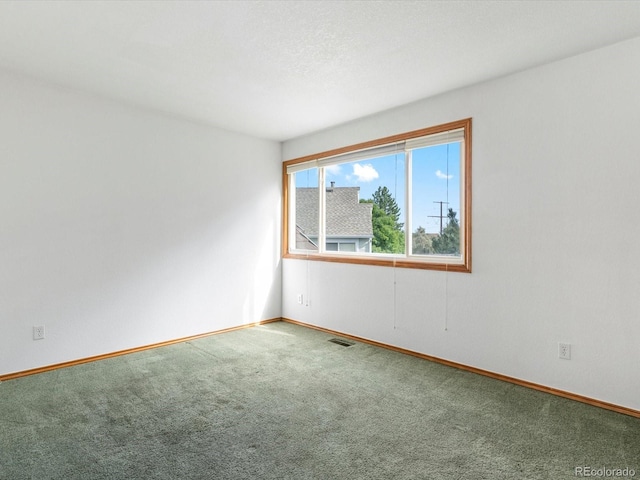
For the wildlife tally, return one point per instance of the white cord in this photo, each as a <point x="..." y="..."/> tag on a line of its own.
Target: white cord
<point x="395" y="290"/>
<point x="446" y="298"/>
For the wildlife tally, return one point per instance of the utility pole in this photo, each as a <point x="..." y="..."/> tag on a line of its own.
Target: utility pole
<point x="439" y="216"/>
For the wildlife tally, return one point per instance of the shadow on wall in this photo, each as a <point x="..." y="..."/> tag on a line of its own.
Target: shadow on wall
<point x="265" y="281"/>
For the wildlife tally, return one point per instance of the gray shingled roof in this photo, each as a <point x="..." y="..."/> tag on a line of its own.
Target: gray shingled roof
<point x="303" y="242"/>
<point x="345" y="215"/>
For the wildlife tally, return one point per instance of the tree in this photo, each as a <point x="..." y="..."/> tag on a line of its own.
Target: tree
<point x="388" y="236"/>
<point x="384" y="200"/>
<point x="421" y="243"/>
<point x="449" y="241"/>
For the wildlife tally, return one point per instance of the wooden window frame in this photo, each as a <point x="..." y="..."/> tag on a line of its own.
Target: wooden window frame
<point x="431" y="262"/>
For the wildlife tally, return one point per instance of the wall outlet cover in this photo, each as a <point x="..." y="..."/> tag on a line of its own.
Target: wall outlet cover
<point x="564" y="351"/>
<point x="38" y="332"/>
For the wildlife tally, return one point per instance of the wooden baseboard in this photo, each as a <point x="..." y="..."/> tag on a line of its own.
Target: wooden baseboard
<point x="479" y="371"/>
<point x="523" y="383"/>
<point x="71" y="363"/>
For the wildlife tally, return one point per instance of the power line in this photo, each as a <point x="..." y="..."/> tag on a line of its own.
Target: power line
<point x="440" y="216"/>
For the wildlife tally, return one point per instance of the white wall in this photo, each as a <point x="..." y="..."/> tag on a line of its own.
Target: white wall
<point x="556" y="170"/>
<point x="121" y="227"/>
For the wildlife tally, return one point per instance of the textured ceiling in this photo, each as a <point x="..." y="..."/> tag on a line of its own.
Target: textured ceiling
<point x="281" y="69"/>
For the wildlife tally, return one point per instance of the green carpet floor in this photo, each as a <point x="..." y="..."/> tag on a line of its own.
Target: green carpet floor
<point x="280" y="401"/>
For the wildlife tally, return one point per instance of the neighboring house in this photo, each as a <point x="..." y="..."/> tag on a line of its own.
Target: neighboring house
<point x="349" y="227"/>
<point x="303" y="242"/>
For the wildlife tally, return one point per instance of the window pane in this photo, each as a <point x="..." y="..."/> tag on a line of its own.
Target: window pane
<point x="365" y="204"/>
<point x="435" y="203"/>
<point x="306" y="209"/>
<point x="347" y="247"/>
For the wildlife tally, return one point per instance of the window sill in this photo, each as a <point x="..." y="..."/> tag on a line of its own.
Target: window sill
<point x="384" y="261"/>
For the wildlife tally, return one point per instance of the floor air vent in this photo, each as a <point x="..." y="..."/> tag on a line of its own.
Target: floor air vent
<point x="342" y="341"/>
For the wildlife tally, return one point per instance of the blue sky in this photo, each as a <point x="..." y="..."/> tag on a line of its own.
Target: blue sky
<point x="436" y="177"/>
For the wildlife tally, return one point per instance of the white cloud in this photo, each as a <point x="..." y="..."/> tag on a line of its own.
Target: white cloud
<point x="364" y="173"/>
<point x="444" y="176"/>
<point x="333" y="169"/>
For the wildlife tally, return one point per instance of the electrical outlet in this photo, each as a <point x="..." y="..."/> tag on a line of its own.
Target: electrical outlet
<point x="38" y="332"/>
<point x="300" y="299"/>
<point x="564" y="351"/>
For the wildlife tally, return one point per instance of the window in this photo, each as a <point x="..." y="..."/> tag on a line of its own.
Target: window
<point x="403" y="200"/>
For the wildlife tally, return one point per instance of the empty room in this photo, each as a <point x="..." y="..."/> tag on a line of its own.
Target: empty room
<point x="319" y="239"/>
